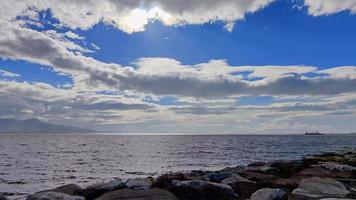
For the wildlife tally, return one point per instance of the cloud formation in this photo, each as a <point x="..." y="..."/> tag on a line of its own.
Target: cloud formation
<point x="327" y="7"/>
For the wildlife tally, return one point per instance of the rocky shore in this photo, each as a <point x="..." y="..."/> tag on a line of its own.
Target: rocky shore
<point x="326" y="176"/>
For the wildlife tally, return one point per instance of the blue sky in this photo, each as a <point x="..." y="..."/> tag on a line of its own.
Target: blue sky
<point x="155" y="65"/>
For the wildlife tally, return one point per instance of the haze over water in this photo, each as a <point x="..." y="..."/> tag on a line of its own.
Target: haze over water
<point x="34" y="162"/>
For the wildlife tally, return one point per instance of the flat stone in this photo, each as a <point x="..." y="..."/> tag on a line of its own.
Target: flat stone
<point x="268" y="194"/>
<point x="94" y="191"/>
<point x="129" y="194"/>
<point x="242" y="186"/>
<point x="139" y="183"/>
<point x="53" y="196"/>
<point x="317" y="188"/>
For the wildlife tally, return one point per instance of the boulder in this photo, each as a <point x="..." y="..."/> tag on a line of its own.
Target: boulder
<point x="289" y="183"/>
<point x="216" y="177"/>
<point x="165" y="180"/>
<point x="242" y="186"/>
<point x="139" y="183"/>
<point x="318" y="171"/>
<point x="96" y="190"/>
<point x="317" y="188"/>
<point x="261" y="179"/>
<point x="53" y="196"/>
<point x="3" y="197"/>
<point x="335" y="199"/>
<point x="202" y="190"/>
<point x="287" y="168"/>
<point x="129" y="194"/>
<point x="69" y="189"/>
<point x="268" y="194"/>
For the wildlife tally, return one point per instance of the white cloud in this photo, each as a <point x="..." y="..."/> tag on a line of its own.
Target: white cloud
<point x="132" y="16"/>
<point x="8" y="74"/>
<point x="326" y="7"/>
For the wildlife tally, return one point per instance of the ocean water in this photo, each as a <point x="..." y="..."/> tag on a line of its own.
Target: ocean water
<point x="34" y="162"/>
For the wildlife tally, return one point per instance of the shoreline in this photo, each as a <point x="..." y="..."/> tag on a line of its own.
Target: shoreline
<point x="326" y="175"/>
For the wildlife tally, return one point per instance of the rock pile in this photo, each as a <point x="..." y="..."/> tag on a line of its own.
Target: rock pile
<point x="324" y="176"/>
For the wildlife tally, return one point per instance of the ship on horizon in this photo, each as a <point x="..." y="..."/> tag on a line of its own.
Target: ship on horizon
<point x="313" y="133"/>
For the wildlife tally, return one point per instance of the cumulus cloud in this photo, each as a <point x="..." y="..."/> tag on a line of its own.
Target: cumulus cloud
<point x="326" y="7"/>
<point x="132" y="16"/>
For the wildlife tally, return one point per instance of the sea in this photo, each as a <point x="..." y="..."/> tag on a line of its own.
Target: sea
<point x="35" y="162"/>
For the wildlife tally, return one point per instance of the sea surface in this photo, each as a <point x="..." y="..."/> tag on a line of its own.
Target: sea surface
<point x="34" y="162"/>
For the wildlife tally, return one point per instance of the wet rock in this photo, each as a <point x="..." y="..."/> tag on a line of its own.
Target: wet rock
<point x="69" y="189"/>
<point x="96" y="190"/>
<point x="242" y="186"/>
<point x="129" y="194"/>
<point x="317" y="188"/>
<point x="217" y="176"/>
<point x="268" y="194"/>
<point x="139" y="183"/>
<point x="53" y="196"/>
<point x="202" y="190"/>
<point x="234" y="170"/>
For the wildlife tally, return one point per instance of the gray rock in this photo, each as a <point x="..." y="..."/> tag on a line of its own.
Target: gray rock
<point x="96" y="190"/>
<point x="53" y="196"/>
<point x="268" y="194"/>
<point x="129" y="194"/>
<point x="69" y="189"/>
<point x="317" y="188"/>
<point x="242" y="186"/>
<point x="139" y="183"/>
<point x="3" y="197"/>
<point x="203" y="190"/>
<point x="335" y="199"/>
<point x="263" y="168"/>
<point x="217" y="176"/>
<point x="335" y="166"/>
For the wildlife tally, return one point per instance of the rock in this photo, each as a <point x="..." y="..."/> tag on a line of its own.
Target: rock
<point x="3" y="197"/>
<point x="69" y="189"/>
<point x="53" y="196"/>
<point x="129" y="194"/>
<point x="286" y="169"/>
<point x="321" y="172"/>
<point x="237" y="169"/>
<point x="139" y="183"/>
<point x="165" y="180"/>
<point x="264" y="169"/>
<point x="242" y="186"/>
<point x="337" y="167"/>
<point x="217" y="176"/>
<point x="261" y="179"/>
<point x="317" y="188"/>
<point x="96" y="190"/>
<point x="202" y="190"/>
<point x="290" y="183"/>
<point x="268" y="194"/>
<point x="335" y="199"/>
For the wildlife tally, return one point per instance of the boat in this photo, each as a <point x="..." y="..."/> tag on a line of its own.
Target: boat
<point x="313" y="133"/>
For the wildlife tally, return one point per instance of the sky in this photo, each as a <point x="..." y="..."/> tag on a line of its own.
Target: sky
<point x="169" y="66"/>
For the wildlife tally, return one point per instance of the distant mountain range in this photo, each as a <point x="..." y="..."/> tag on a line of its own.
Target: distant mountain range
<point x="37" y="126"/>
